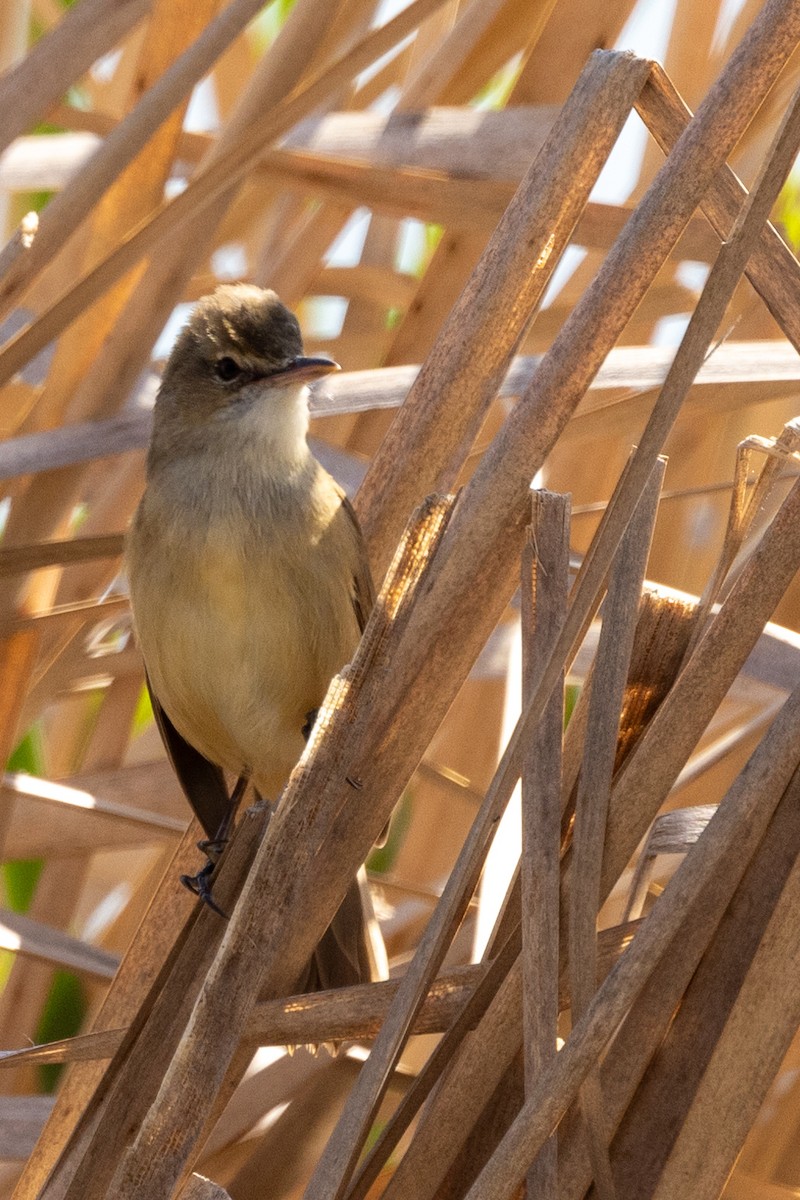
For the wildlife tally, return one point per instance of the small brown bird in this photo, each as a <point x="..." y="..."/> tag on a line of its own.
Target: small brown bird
<point x="248" y="576"/>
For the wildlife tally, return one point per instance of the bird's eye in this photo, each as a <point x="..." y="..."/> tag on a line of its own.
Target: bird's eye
<point x="227" y="369"/>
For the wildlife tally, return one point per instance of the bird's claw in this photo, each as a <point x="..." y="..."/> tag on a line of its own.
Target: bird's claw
<point x="200" y="884"/>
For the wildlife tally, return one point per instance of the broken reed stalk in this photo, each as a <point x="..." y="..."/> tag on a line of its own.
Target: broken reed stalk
<point x="206" y="187"/>
<point x="154" y="942"/>
<point x="772" y="268"/>
<point x="483" y="548"/>
<point x="448" y="401"/>
<point x="211" y="1038"/>
<point x="708" y="870"/>
<point x="594" y="791"/>
<point x="745" y="508"/>
<point x="544" y="587"/>
<point x="677" y="1074"/>
<point x="488" y="1055"/>
<point x="715" y="297"/>
<point x="130" y="1082"/>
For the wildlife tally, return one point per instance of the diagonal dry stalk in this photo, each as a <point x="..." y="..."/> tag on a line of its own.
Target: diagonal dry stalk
<point x="713" y="867"/>
<point x="544" y="587"/>
<point x="502" y="259"/>
<point x="86" y="1167"/>
<point x="705" y="155"/>
<point x="611" y="669"/>
<point x="462" y="575"/>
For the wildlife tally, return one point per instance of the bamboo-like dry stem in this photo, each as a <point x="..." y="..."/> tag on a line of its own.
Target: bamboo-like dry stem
<point x="734" y="831"/>
<point x="545" y="585"/>
<point x="594" y="789"/>
<point x="757" y="1034"/>
<point x="449" y="399"/>
<point x="218" y="1019"/>
<point x="772" y="269"/>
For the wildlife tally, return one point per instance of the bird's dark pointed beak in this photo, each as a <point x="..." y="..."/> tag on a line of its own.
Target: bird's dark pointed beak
<point x="304" y="369"/>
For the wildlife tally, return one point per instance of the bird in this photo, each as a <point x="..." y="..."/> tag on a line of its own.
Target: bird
<point x="248" y="575"/>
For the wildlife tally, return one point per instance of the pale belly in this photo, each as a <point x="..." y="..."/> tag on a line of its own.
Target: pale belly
<point x="240" y="644"/>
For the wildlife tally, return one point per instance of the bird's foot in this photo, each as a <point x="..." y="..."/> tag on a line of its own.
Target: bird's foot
<point x="200" y="884"/>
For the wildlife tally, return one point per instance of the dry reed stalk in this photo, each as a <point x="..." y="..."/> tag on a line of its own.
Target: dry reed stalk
<point x="449" y="400"/>
<point x="756" y="1037"/>
<point x="745" y="508"/>
<point x="496" y="504"/>
<point x="609" y="676"/>
<point x="344" y="1015"/>
<point x="549" y="544"/>
<point x="717" y="292"/>
<point x="483" y="1060"/>
<point x="676" y="1074"/>
<point x="129" y="1084"/>
<point x="480" y="997"/>
<point x="453" y="1117"/>
<point x="243" y="935"/>
<point x="339" y="1157"/>
<point x="772" y="268"/>
<point x="206" y="187"/>
<point x="653" y="767"/>
<point x="545" y="586"/>
<point x="17" y="560"/>
<point x="715" y="865"/>
<point x="28" y="89"/>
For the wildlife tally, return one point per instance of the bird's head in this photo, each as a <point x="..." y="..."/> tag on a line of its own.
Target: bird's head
<point x="237" y="366"/>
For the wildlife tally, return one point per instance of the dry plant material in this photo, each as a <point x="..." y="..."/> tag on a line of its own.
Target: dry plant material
<point x="544" y="586"/>
<point x="594" y="791"/>
<point x="182" y="1019"/>
<point x="728" y="842"/>
<point x="245" y="935"/>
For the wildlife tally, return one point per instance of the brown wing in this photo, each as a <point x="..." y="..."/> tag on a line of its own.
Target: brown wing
<point x="363" y="587"/>
<point x="203" y="782"/>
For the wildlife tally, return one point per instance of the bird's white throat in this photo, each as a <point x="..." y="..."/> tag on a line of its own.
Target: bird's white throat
<point x="273" y="423"/>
